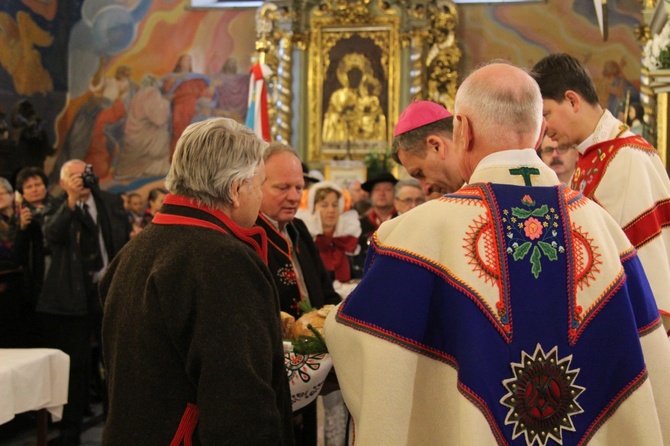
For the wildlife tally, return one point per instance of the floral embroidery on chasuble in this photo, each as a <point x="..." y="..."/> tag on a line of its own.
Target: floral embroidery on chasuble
<point x="495" y="316"/>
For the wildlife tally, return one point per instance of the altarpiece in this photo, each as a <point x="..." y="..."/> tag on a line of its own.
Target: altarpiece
<point x="344" y="69"/>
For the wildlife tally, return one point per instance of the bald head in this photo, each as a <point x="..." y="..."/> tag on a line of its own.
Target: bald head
<point x="498" y="107"/>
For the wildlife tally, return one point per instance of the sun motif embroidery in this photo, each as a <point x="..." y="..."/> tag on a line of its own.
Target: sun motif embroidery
<point x="480" y="247"/>
<point x="542" y="397"/>
<point x="286" y="275"/>
<point x="532" y="229"/>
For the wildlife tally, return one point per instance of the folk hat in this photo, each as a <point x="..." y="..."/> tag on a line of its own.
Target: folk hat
<point x="382" y="177"/>
<point x="419" y="113"/>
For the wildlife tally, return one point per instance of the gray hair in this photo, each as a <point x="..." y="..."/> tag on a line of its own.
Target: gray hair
<point x="278" y="147"/>
<point x="65" y="168"/>
<point x="5" y="184"/>
<point x="210" y="156"/>
<point x="411" y="182"/>
<point x="504" y="111"/>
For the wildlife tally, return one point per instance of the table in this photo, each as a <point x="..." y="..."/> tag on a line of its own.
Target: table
<point x="33" y="379"/>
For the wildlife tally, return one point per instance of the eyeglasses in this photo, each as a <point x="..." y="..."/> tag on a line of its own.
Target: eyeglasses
<point x="407" y="201"/>
<point x="560" y="149"/>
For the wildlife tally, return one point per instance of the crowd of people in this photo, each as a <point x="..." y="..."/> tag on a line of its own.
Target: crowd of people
<point x="512" y="288"/>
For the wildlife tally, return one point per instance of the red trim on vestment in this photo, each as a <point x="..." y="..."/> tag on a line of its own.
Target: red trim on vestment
<point x="592" y="165"/>
<point x="244" y="234"/>
<point x="649" y="224"/>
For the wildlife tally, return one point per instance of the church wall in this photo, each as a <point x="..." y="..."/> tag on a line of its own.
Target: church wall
<point x="62" y="45"/>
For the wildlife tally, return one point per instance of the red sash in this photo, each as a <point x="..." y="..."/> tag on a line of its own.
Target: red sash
<point x="594" y="162"/>
<point x="186" y="426"/>
<point x="246" y="235"/>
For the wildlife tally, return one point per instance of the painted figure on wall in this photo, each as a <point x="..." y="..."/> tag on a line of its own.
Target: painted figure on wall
<point x="233" y="90"/>
<point x="183" y="87"/>
<point x="114" y="93"/>
<point x="620" y="91"/>
<point x="146" y="135"/>
<point x="95" y="134"/>
<point x="18" y="39"/>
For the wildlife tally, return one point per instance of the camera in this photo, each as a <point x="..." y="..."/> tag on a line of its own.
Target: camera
<point x="35" y="212"/>
<point x="89" y="178"/>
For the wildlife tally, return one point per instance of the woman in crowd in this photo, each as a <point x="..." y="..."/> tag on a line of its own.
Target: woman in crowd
<point x="29" y="248"/>
<point x="335" y="232"/>
<point x="154" y="203"/>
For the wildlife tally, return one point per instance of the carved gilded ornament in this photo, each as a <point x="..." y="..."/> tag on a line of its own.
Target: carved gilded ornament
<point x="361" y="102"/>
<point x="377" y="30"/>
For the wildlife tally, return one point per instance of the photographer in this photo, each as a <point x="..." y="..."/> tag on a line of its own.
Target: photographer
<point x="27" y="132"/>
<point x="84" y="232"/>
<point x="29" y="249"/>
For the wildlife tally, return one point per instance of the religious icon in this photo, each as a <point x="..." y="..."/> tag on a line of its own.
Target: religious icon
<point x="354" y="111"/>
<point x="355" y="90"/>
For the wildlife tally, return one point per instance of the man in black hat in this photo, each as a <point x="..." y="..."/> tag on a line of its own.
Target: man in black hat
<point x="381" y="190"/>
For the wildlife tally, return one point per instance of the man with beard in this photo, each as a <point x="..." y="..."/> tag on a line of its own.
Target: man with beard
<point x="562" y="158"/>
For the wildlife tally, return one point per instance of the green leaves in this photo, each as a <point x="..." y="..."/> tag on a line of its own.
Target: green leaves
<point x="535" y="261"/>
<point x="538" y="212"/>
<point x="548" y="250"/>
<point x="521" y="251"/>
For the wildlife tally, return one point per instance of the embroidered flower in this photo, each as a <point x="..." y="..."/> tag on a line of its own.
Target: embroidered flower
<point x="531" y="240"/>
<point x="532" y="228"/>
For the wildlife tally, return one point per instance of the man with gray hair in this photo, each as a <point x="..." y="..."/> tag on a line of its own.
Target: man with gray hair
<point x="191" y="328"/>
<point x="408" y="195"/>
<point x="515" y="307"/>
<point x="83" y="232"/>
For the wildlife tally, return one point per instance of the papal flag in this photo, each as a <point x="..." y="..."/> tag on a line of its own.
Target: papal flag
<point x="257" y="111"/>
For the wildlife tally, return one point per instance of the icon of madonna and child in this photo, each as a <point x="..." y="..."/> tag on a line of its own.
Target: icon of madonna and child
<point x="354" y="111"/>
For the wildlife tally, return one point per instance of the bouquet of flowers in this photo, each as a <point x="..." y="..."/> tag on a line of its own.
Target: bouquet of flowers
<point x="657" y="50"/>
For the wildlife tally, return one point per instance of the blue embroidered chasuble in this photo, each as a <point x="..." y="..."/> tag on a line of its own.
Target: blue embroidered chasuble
<point x="541" y="361"/>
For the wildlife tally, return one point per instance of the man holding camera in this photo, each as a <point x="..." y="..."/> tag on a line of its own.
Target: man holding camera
<point x="83" y="233"/>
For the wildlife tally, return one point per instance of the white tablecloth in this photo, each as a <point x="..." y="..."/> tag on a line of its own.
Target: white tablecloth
<point x="33" y="379"/>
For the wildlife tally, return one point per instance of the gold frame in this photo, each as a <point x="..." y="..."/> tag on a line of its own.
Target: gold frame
<point x="343" y="172"/>
<point x="326" y="33"/>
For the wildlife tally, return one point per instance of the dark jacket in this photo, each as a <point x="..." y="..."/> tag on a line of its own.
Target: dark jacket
<point x="317" y="279"/>
<point x="68" y="283"/>
<point x="29" y="249"/>
<point x="191" y="315"/>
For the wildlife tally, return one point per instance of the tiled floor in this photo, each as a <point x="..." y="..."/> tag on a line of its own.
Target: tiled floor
<point x="21" y="431"/>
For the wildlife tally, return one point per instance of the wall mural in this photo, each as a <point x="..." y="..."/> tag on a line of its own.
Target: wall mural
<point x="135" y="73"/>
<point x="525" y="34"/>
<point x="114" y="82"/>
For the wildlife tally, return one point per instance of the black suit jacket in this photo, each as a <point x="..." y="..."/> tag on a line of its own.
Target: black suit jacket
<point x="317" y="279"/>
<point x="68" y="284"/>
